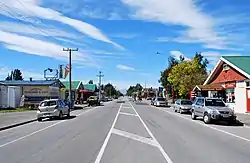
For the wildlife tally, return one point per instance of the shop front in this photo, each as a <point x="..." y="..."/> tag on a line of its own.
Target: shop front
<point x="34" y="91"/>
<point x="232" y="73"/>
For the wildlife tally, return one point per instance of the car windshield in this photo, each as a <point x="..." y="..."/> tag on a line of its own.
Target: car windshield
<point x="186" y="102"/>
<point x="161" y="99"/>
<point x="48" y="103"/>
<point x="214" y="102"/>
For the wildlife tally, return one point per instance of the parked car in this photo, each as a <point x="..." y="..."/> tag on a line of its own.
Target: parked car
<point x="152" y="101"/>
<point x="149" y="98"/>
<point x="52" y="108"/>
<point x="183" y="106"/>
<point x="160" y="101"/>
<point x="212" y="109"/>
<point x="93" y="100"/>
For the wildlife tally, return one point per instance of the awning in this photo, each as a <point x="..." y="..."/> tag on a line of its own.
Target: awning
<point x="209" y="87"/>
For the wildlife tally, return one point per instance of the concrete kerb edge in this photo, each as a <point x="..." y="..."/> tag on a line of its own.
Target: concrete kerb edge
<point x="17" y="124"/>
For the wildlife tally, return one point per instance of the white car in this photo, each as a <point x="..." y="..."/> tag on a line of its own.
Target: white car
<point x="159" y="101"/>
<point x="52" y="108"/>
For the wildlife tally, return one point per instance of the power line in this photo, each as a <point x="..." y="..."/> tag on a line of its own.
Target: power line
<point x="33" y="26"/>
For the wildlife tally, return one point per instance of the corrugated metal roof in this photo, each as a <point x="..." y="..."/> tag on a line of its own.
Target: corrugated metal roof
<point x="74" y="84"/>
<point x="28" y="83"/>
<point x="242" y="62"/>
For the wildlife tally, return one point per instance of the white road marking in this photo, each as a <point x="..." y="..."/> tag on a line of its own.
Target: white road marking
<point x="23" y="137"/>
<point x="100" y="154"/>
<point x="225" y="132"/>
<point x="33" y="133"/>
<point x="135" y="137"/>
<point x="126" y="107"/>
<point x="123" y="113"/>
<point x="167" y="158"/>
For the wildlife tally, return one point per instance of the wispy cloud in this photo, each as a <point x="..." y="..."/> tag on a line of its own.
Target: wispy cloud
<point x="27" y="29"/>
<point x="31" y="8"/>
<point x="176" y="54"/>
<point x="213" y="56"/>
<point x="124" y="36"/>
<point x="38" y="47"/>
<point x="126" y="68"/>
<point x="210" y="29"/>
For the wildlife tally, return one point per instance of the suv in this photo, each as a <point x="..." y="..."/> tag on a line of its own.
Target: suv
<point x="212" y="109"/>
<point x="52" y="108"/>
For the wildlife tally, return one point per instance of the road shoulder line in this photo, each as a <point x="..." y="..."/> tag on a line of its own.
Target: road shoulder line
<point x="211" y="127"/>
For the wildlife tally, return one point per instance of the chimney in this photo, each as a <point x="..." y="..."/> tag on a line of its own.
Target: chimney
<point x="31" y="79"/>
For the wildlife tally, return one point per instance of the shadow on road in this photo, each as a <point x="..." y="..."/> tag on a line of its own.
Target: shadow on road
<point x="225" y="123"/>
<point x="56" y="119"/>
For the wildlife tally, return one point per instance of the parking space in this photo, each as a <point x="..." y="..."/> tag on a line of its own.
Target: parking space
<point x="238" y="131"/>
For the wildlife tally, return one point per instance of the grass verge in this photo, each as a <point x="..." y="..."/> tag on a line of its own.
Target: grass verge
<point x="9" y="110"/>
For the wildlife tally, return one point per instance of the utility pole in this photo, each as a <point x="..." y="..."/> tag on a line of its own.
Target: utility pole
<point x="100" y="81"/>
<point x="70" y="75"/>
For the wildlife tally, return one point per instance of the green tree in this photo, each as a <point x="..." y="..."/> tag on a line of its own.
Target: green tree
<point x="134" y="89"/>
<point x="165" y="74"/>
<point x="109" y="90"/>
<point x="15" y="75"/>
<point x="186" y="75"/>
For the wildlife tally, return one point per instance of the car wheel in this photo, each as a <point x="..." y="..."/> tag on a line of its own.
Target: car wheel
<point x="175" y="110"/>
<point x="68" y="115"/>
<point x="207" y="118"/>
<point x="39" y="119"/>
<point x="193" y="116"/>
<point x="60" y="115"/>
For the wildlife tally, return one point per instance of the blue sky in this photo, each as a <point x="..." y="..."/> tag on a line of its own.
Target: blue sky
<point x="118" y="37"/>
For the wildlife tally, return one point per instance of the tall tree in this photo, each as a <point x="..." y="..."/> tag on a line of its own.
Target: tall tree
<point x="9" y="77"/>
<point x="109" y="90"/>
<point x="165" y="74"/>
<point x="91" y="82"/>
<point x="186" y="75"/>
<point x="134" y="89"/>
<point x="15" y="75"/>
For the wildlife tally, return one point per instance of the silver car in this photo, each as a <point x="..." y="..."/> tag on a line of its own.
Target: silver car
<point x="159" y="101"/>
<point x="212" y="109"/>
<point x="52" y="108"/>
<point x="183" y="106"/>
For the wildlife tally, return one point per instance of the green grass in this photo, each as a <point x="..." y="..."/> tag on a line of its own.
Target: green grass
<point x="9" y="110"/>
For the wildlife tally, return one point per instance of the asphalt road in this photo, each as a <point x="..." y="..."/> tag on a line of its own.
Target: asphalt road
<point x="125" y="133"/>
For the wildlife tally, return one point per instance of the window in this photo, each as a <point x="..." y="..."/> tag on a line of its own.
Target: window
<point x="200" y="102"/>
<point x="48" y="103"/>
<point x="214" y="102"/>
<point x="230" y="97"/>
<point x="161" y="99"/>
<point x="186" y="102"/>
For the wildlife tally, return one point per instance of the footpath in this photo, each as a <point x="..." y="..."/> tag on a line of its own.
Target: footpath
<point x="10" y="120"/>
